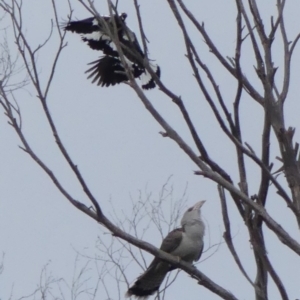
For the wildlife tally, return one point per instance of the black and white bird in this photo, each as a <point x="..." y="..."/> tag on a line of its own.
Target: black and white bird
<point x="109" y="69"/>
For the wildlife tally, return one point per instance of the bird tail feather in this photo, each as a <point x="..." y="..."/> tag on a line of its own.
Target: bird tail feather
<point x="149" y="282"/>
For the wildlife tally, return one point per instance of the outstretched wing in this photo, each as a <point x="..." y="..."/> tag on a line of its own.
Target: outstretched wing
<point x="109" y="70"/>
<point x="92" y="31"/>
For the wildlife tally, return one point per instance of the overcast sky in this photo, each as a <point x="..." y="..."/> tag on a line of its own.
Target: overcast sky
<point x="117" y="147"/>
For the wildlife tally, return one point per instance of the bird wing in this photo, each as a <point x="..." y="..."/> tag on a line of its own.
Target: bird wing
<point x="172" y="240"/>
<point x="108" y="70"/>
<point x="200" y="252"/>
<point x="93" y="33"/>
<point x="85" y="26"/>
<point x="169" y="244"/>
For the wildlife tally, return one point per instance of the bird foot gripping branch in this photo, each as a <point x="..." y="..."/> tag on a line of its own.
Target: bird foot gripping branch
<point x="186" y="243"/>
<point x="109" y="69"/>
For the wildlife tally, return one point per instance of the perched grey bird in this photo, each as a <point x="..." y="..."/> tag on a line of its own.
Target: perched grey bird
<point x="186" y="243"/>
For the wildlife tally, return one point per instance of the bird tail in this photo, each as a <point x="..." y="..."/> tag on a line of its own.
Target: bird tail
<point x="149" y="282"/>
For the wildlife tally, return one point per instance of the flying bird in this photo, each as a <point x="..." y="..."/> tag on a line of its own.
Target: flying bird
<point x="186" y="243"/>
<point x="109" y="69"/>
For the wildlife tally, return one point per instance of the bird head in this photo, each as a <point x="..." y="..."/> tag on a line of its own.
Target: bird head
<point x="123" y="16"/>
<point x="193" y="213"/>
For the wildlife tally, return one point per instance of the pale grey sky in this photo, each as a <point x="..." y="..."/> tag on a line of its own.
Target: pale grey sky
<point x="117" y="147"/>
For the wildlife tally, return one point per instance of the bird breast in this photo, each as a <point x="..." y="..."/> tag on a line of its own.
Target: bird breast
<point x="191" y="244"/>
